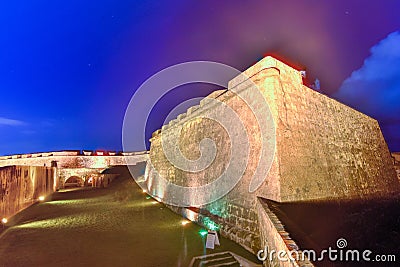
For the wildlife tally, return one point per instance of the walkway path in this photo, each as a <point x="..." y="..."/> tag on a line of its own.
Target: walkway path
<point x="117" y="226"/>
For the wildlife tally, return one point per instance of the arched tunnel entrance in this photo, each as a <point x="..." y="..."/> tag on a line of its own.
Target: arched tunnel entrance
<point x="74" y="181"/>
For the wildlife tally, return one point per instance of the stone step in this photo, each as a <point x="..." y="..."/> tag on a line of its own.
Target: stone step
<point x="222" y="259"/>
<point x="215" y="260"/>
<point x="229" y="264"/>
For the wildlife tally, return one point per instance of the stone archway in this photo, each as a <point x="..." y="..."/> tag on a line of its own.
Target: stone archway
<point x="74" y="181"/>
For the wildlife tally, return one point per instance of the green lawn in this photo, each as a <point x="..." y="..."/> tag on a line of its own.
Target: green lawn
<point x="117" y="226"/>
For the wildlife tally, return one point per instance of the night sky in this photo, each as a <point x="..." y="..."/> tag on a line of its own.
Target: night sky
<point x="68" y="69"/>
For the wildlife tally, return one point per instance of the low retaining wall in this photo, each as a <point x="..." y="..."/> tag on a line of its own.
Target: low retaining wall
<point x="275" y="239"/>
<point x="21" y="186"/>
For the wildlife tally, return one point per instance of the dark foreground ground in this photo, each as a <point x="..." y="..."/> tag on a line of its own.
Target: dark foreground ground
<point x="365" y="225"/>
<point x="117" y="226"/>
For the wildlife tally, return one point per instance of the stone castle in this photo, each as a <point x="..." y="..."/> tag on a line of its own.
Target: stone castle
<point x="322" y="150"/>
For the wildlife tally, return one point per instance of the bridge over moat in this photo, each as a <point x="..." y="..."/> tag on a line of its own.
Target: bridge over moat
<point x="25" y="178"/>
<point x="84" y="165"/>
<point x="74" y="159"/>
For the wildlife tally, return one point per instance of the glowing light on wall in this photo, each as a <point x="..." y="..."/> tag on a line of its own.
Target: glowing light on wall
<point x="55" y="178"/>
<point x="41" y="198"/>
<point x="191" y="215"/>
<point x="4" y="220"/>
<point x="210" y="224"/>
<point x="33" y="177"/>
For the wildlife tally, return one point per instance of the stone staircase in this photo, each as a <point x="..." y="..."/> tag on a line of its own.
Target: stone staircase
<point x="222" y="259"/>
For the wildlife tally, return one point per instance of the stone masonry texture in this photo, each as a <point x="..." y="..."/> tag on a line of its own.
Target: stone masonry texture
<point x="324" y="150"/>
<point x="21" y="186"/>
<point x="396" y="159"/>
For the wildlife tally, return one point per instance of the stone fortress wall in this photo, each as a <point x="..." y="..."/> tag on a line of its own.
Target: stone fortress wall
<point x="21" y="186"/>
<point x="74" y="159"/>
<point x="324" y="150"/>
<point x="23" y="178"/>
<point x="85" y="164"/>
<point x="396" y="159"/>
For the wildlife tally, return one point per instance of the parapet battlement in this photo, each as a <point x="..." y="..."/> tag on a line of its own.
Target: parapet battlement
<point x="72" y="153"/>
<point x="268" y="66"/>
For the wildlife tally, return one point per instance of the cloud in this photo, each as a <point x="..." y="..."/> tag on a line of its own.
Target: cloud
<point x="374" y="89"/>
<point x="10" y="122"/>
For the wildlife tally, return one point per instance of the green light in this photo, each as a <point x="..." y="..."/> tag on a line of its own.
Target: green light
<point x="148" y="197"/>
<point x="203" y="232"/>
<point x="210" y="224"/>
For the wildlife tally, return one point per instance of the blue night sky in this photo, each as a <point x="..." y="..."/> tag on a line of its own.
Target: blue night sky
<point x="68" y="69"/>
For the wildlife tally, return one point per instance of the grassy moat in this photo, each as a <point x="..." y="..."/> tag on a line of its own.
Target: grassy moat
<point x="116" y="226"/>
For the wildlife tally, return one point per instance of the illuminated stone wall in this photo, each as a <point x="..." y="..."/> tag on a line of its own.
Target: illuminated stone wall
<point x="396" y="157"/>
<point x="90" y="176"/>
<point x="70" y="163"/>
<point x="274" y="236"/>
<point x="324" y="150"/>
<point x="21" y="186"/>
<point x="72" y="159"/>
